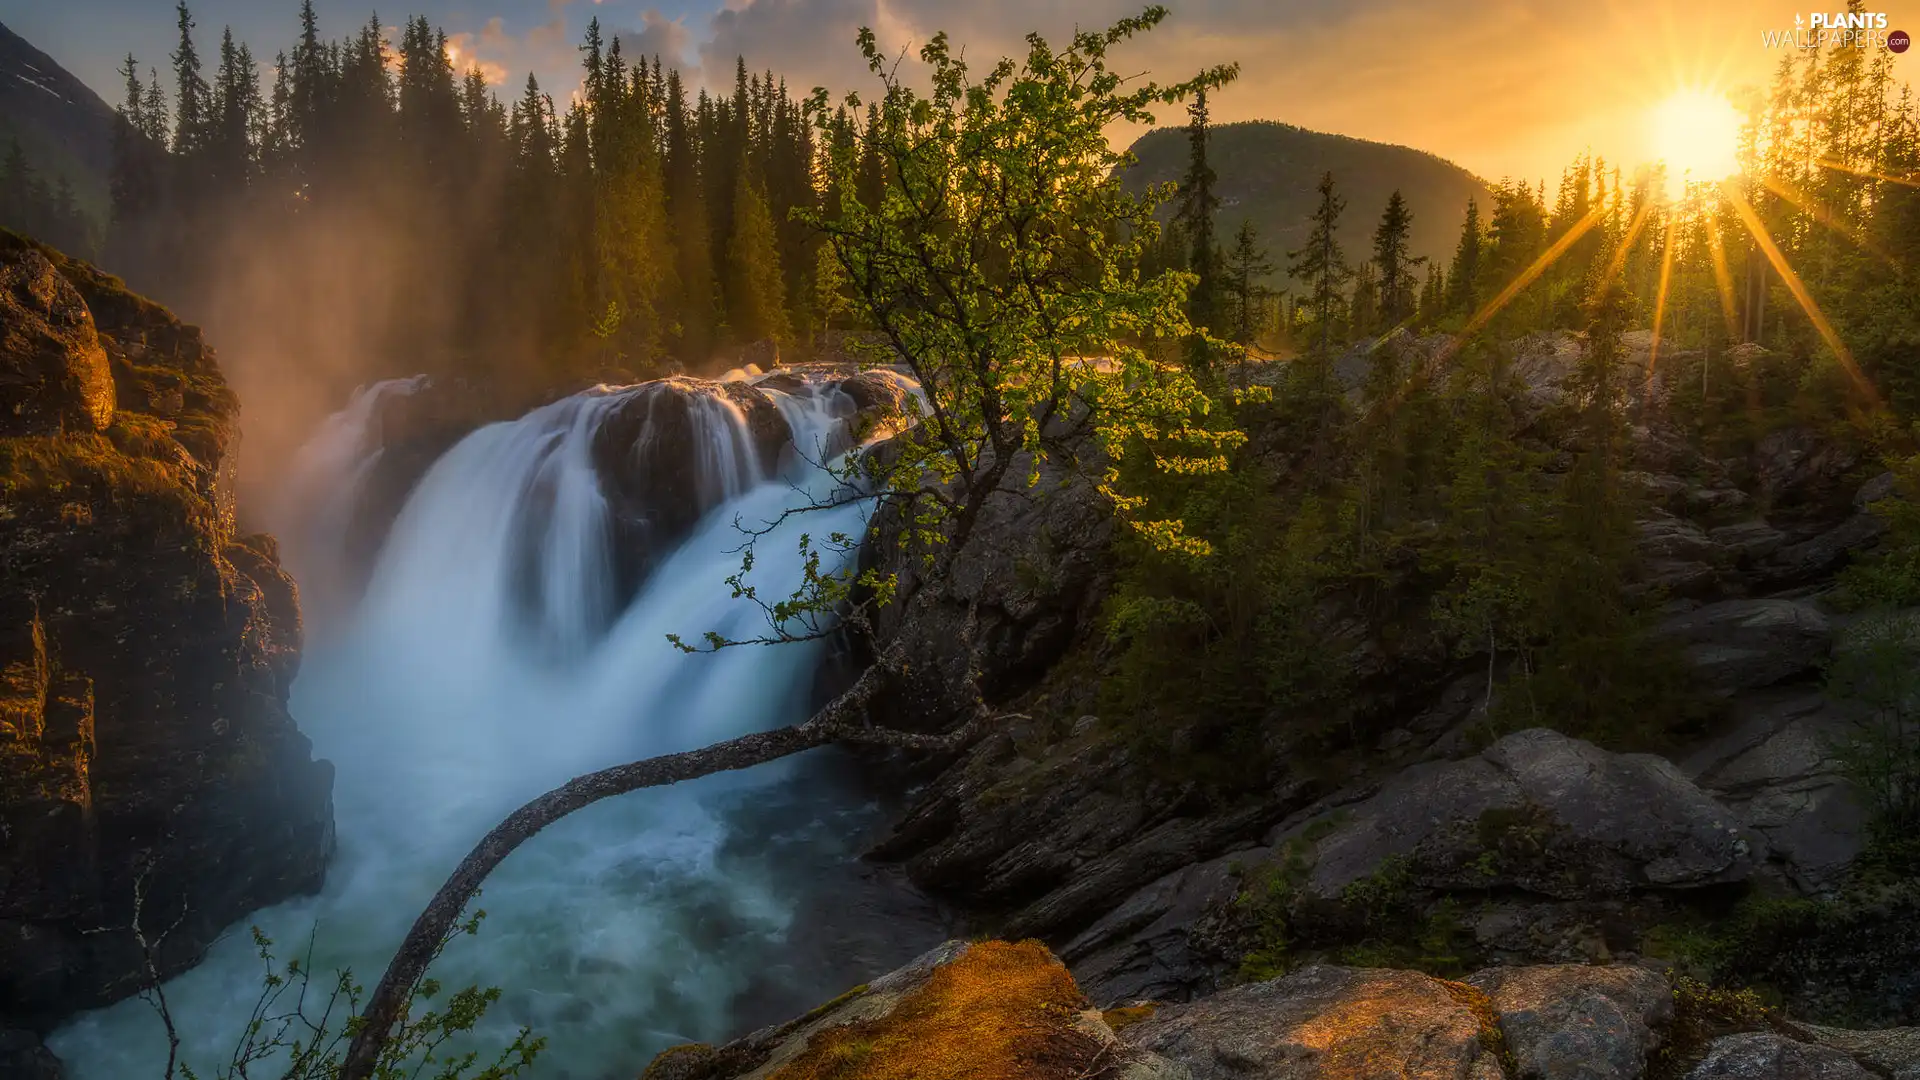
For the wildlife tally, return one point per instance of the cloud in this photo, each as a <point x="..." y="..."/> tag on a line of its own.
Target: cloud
<point x="660" y="36"/>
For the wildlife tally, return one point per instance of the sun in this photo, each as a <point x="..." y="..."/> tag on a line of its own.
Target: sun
<point x="1697" y="133"/>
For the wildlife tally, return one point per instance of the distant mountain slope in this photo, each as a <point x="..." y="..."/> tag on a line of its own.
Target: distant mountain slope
<point x="63" y="126"/>
<point x="1268" y="170"/>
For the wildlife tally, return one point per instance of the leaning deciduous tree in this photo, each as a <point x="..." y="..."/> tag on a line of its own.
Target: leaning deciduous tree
<point x="1000" y="266"/>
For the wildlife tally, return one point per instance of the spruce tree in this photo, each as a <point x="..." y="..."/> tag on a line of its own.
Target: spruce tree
<point x="1463" y="275"/>
<point x="1247" y="268"/>
<point x="1393" y="267"/>
<point x="1321" y="266"/>
<point x="1196" y="209"/>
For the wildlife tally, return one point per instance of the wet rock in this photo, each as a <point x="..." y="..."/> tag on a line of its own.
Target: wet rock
<point x="1541" y="812"/>
<point x="1765" y="1056"/>
<point x="1740" y="645"/>
<point x="1324" y="1022"/>
<point x="54" y="373"/>
<point x="673" y="449"/>
<point x="1575" y="1022"/>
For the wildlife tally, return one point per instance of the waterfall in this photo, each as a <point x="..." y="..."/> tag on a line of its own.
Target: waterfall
<point x="639" y="922"/>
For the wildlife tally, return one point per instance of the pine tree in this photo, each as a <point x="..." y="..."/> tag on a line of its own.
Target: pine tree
<point x="1196" y="209"/>
<point x="1463" y="274"/>
<point x="1393" y="267"/>
<point x="1247" y="268"/>
<point x="1321" y="266"/>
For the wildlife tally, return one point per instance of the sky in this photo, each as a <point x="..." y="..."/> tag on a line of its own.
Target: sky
<point x="1502" y="87"/>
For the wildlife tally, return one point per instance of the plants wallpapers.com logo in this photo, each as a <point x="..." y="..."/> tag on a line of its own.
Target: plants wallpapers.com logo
<point x="1843" y="29"/>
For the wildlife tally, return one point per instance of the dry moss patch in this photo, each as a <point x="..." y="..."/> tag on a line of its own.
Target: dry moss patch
<point x="1002" y="1011"/>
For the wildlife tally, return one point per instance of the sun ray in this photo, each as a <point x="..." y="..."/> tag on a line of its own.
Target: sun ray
<point x="1626" y="242"/>
<point x="1660" y="299"/>
<point x="1799" y="290"/>
<point x="1526" y="277"/>
<point x="1820" y="213"/>
<point x="1722" y="278"/>
<point x="1836" y="166"/>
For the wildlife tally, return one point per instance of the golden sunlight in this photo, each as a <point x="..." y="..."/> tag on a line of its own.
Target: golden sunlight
<point x="1697" y="134"/>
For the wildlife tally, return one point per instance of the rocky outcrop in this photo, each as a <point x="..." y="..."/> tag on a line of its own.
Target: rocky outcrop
<point x="1572" y="840"/>
<point x="1333" y="1023"/>
<point x="1761" y="1055"/>
<point x="1577" y="1022"/>
<point x="1774" y="767"/>
<point x="997" y="1011"/>
<point x="54" y="375"/>
<point x="1540" y="812"/>
<point x="1738" y="645"/>
<point x="987" y="1011"/>
<point x="1032" y="575"/>
<point x="148" y="767"/>
<point x="669" y="451"/>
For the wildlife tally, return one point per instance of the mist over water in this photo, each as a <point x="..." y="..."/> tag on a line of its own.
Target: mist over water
<point x="484" y="666"/>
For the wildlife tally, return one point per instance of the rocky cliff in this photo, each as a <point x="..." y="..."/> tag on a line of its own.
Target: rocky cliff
<point x="152" y="783"/>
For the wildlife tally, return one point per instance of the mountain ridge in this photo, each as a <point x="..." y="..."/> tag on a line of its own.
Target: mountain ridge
<point x="1268" y="169"/>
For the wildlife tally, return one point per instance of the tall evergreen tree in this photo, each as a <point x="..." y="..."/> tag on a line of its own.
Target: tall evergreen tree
<point x="1393" y="267"/>
<point x="1247" y="268"/>
<point x="1321" y="266"/>
<point x="1197" y="206"/>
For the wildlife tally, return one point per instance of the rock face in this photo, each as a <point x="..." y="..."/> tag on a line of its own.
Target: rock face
<point x="1545" y="813"/>
<point x="1329" y="1023"/>
<point x="1574" y="1022"/>
<point x="1775" y="768"/>
<point x="1740" y="645"/>
<point x="1035" y="572"/>
<point x="1758" y="1055"/>
<point x="147" y="760"/>
<point x="53" y="372"/>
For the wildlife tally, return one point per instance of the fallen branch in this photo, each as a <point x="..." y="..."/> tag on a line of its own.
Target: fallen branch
<point x="842" y="721"/>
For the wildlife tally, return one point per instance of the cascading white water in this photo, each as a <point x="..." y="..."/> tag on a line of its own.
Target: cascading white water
<point x="630" y="925"/>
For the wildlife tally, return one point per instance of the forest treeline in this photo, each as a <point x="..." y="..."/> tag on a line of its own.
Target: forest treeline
<point x="646" y="223"/>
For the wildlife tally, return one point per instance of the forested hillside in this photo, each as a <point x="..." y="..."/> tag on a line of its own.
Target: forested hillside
<point x="1267" y="171"/>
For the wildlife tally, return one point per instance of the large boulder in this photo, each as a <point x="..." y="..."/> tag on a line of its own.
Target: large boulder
<point x="669" y="451"/>
<point x="1738" y="645"/>
<point x="1578" y="1022"/>
<point x="54" y="374"/>
<point x="993" y="1010"/>
<point x="1330" y="1023"/>
<point x="1775" y="768"/>
<point x="148" y="765"/>
<point x="1763" y="1055"/>
<point x="1544" y="813"/>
